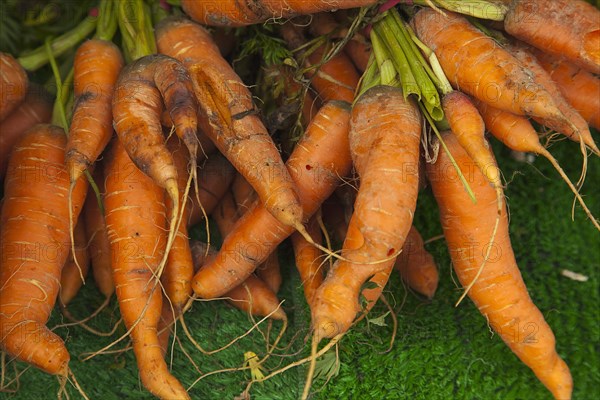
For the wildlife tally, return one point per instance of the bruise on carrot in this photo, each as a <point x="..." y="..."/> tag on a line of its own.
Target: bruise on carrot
<point x="309" y="260"/>
<point x="137" y="223"/>
<point x="385" y="132"/>
<point x="564" y="28"/>
<point x="228" y="115"/>
<point x="96" y="68"/>
<point x="246" y="12"/>
<point x="36" y="186"/>
<point x="97" y="237"/>
<point x="214" y="179"/>
<point x="252" y="296"/>
<point x="71" y="277"/>
<point x="13" y="84"/>
<point x="316" y="165"/>
<point x="499" y="293"/>
<point x="35" y="109"/>
<point x="417" y="266"/>
<point x="582" y="132"/>
<point x="579" y="87"/>
<point x="475" y="64"/>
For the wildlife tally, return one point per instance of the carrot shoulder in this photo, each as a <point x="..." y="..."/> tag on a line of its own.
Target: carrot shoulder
<point x="499" y="293"/>
<point x="137" y="223"/>
<point x="34" y="236"/>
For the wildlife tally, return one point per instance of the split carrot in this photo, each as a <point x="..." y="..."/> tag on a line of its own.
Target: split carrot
<point x="227" y="114"/>
<point x="499" y="291"/>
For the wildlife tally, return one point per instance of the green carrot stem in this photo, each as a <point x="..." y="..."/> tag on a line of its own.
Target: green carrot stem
<point x="58" y="112"/>
<point x="407" y="79"/>
<point x="384" y="62"/>
<point x="39" y="57"/>
<point x="107" y="20"/>
<point x="370" y="77"/>
<point x="135" y="24"/>
<point x="429" y="93"/>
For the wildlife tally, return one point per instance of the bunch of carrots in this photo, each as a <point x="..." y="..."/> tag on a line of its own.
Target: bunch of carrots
<point x="151" y="134"/>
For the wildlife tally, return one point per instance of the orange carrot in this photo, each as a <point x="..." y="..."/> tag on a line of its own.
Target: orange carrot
<point x="71" y="276"/>
<point x="240" y="13"/>
<point x="179" y="270"/>
<point x="136" y="221"/>
<point x="13" y="84"/>
<point x="252" y="296"/>
<point x="563" y="28"/>
<point x="579" y="87"/>
<point x="517" y="134"/>
<point x="385" y="133"/>
<point x="475" y="64"/>
<point x="99" y="246"/>
<point x="319" y="159"/>
<point x="243" y="194"/>
<point x="227" y="114"/>
<point x="416" y="266"/>
<point x="34" y="237"/>
<point x="35" y="109"/>
<point x="499" y="292"/>
<point x="96" y="67"/>
<point x="582" y="133"/>
<point x="214" y="179"/>
<point x="309" y="260"/>
<point x="269" y="272"/>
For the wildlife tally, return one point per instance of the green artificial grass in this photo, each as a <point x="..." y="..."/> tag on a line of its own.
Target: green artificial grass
<point x="440" y="351"/>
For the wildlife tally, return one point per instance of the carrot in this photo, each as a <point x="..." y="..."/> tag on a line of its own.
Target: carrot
<point x="416" y="266"/>
<point x="385" y="133"/>
<point x="96" y="68"/>
<point x="136" y="222"/>
<point x="71" y="277"/>
<point x="517" y="134"/>
<point x="319" y="159"/>
<point x="99" y="246"/>
<point x="334" y="217"/>
<point x="582" y="133"/>
<point x="474" y="63"/>
<point x="269" y="272"/>
<point x="252" y="296"/>
<point x="579" y="87"/>
<point x="137" y="105"/>
<point x="563" y="28"/>
<point x="179" y="270"/>
<point x="499" y="292"/>
<point x="13" y="84"/>
<point x="227" y="114"/>
<point x="215" y="178"/>
<point x="35" y="109"/>
<point x="309" y="260"/>
<point x="240" y="13"/>
<point x="34" y="237"/>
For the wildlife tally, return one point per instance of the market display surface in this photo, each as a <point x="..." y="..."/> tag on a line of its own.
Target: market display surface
<point x="301" y="199"/>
